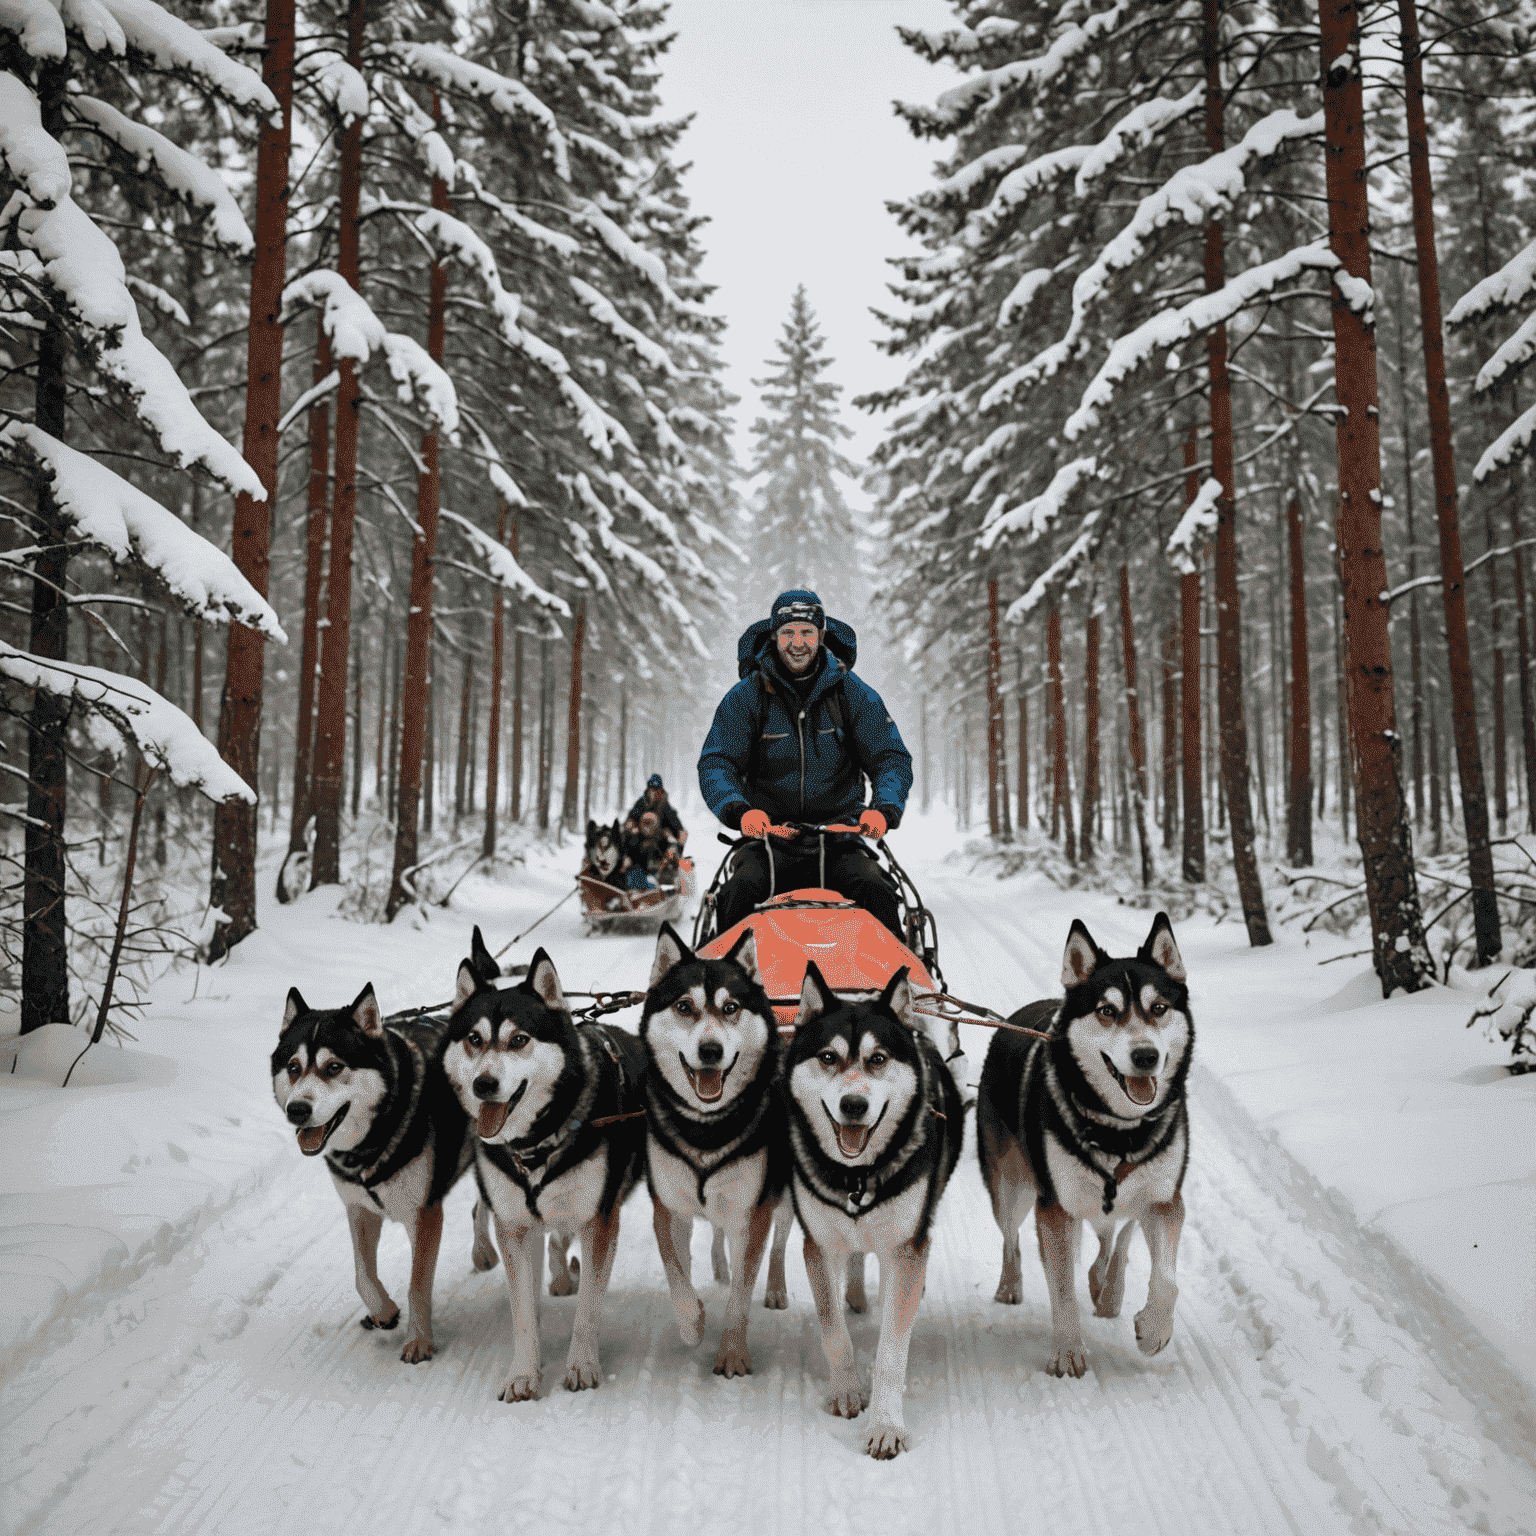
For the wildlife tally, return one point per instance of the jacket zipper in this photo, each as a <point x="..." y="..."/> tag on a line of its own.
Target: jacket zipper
<point x="800" y="732"/>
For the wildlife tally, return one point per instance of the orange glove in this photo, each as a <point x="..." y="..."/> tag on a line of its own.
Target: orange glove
<point x="755" y="824"/>
<point x="872" y="824"/>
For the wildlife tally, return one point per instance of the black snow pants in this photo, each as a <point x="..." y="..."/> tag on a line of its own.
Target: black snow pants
<point x="851" y="872"/>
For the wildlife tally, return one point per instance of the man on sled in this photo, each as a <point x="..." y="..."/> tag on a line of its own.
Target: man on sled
<point x="794" y="740"/>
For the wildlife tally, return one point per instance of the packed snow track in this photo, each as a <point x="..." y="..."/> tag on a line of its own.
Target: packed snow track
<point x="1312" y="1385"/>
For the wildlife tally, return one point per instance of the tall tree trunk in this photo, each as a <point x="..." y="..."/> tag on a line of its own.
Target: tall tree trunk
<point x="623" y="743"/>
<point x="418" y="623"/>
<point x="544" y="733"/>
<point x="429" y="769"/>
<point x="357" y="723"/>
<point x="493" y="728"/>
<point x="330" y="738"/>
<point x="1061" y="804"/>
<point x="1527" y="719"/>
<point x="1191" y="693"/>
<point x="45" y="956"/>
<point x="571" y="801"/>
<point x="1023" y="698"/>
<point x="1496" y="659"/>
<point x="1229" y="645"/>
<point x="314" y="572"/>
<point x="1298" y="827"/>
<point x="997" y="772"/>
<point x="1170" y="737"/>
<point x="461" y="757"/>
<point x="1381" y="816"/>
<point x="1474" y="803"/>
<point x="1133" y="717"/>
<point x="517" y="695"/>
<point x="1415" y="647"/>
<point x="379" y="793"/>
<point x="234" y="821"/>
<point x="1091" y="822"/>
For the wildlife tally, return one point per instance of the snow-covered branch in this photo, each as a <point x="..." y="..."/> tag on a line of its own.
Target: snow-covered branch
<point x="1197" y="525"/>
<point x="165" y="736"/>
<point x="503" y="566"/>
<point x="1039" y="514"/>
<point x="1498" y="291"/>
<point x="1061" y="570"/>
<point x="1510" y="358"/>
<point x="1510" y="446"/>
<point x="110" y="513"/>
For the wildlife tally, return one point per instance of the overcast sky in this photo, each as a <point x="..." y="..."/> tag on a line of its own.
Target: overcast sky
<point x="795" y="150"/>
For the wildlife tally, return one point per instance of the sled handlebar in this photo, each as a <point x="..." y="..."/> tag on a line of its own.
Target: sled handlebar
<point x="795" y="828"/>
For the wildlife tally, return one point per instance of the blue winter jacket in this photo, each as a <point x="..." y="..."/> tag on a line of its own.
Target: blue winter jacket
<point x="804" y="768"/>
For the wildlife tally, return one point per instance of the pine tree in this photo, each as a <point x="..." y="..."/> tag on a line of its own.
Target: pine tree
<point x="803" y="532"/>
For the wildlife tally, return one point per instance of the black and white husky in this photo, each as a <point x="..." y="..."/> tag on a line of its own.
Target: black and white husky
<point x="372" y="1098"/>
<point x="604" y="852"/>
<point x="875" y="1129"/>
<point x="558" y="1116"/>
<point x="1091" y="1125"/>
<point x="715" y="1131"/>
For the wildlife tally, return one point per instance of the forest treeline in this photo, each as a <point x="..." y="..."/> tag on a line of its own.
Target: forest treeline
<point x="1206" y="508"/>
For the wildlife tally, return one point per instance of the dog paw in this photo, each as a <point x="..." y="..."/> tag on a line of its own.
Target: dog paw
<point x="520" y="1389"/>
<point x="1009" y="1292"/>
<point x="581" y="1376"/>
<point x="385" y="1323"/>
<point x="416" y="1350"/>
<point x="775" y="1298"/>
<point x="856" y="1300"/>
<point x="885" y="1441"/>
<point x="560" y="1283"/>
<point x="692" y="1330"/>
<point x="847" y="1400"/>
<point x="734" y="1359"/>
<point x="484" y="1256"/>
<point x="1153" y="1330"/>
<point x="1069" y="1362"/>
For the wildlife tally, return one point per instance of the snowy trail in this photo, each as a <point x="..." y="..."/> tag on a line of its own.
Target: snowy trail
<point x="1304" y="1392"/>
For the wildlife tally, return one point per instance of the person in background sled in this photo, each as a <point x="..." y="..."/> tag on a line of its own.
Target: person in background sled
<point x="654" y="798"/>
<point x="653" y="848"/>
<point x="793" y="741"/>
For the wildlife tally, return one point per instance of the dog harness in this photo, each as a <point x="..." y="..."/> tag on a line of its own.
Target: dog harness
<point x="353" y="1166"/>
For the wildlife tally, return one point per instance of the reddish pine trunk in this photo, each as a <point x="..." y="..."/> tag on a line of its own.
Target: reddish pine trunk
<point x="1500" y="765"/>
<point x="1091" y="735"/>
<point x="234" y="822"/>
<point x="997" y="784"/>
<point x="1381" y="815"/>
<point x="493" y="730"/>
<point x="1298" y="826"/>
<point x="461" y="757"/>
<point x="330" y="745"/>
<point x="1527" y="722"/>
<point x="1023" y="753"/>
<point x="1190" y="693"/>
<point x="573" y="726"/>
<point x="1229" y="645"/>
<point x="314" y="563"/>
<point x="1133" y="712"/>
<point x="1170" y="736"/>
<point x="517" y="711"/>
<point x="418" y="624"/>
<point x="1061" y="801"/>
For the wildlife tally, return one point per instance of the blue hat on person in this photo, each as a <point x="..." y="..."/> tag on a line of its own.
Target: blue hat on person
<point x="797" y="606"/>
<point x="654" y="782"/>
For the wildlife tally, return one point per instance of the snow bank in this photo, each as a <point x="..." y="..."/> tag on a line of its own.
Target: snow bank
<point x="166" y="737"/>
<point x="116" y="516"/>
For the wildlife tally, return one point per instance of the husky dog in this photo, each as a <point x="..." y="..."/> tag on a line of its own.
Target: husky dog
<point x="373" y="1099"/>
<point x="1092" y="1126"/>
<point x="604" y="855"/>
<point x="875" y="1129"/>
<point x="559" y="1139"/>
<point x="715" y="1131"/>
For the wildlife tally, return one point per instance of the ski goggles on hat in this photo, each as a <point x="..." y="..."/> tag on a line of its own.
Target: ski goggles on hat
<point x="799" y="613"/>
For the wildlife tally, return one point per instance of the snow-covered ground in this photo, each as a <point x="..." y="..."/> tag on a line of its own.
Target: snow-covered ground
<point x="1353" y="1349"/>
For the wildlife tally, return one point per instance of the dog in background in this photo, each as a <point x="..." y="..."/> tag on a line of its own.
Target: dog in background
<point x="558" y="1117"/>
<point x="876" y="1125"/>
<point x="372" y="1099"/>
<point x="604" y="853"/>
<point x="1091" y="1125"/>
<point x="714" y="1126"/>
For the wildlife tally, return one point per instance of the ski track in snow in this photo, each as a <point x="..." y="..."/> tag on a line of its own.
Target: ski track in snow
<point x="1304" y="1393"/>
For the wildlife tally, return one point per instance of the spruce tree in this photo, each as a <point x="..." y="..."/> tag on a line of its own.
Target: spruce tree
<point x="803" y="531"/>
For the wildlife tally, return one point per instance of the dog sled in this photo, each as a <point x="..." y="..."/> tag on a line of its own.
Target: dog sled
<point x="606" y="907"/>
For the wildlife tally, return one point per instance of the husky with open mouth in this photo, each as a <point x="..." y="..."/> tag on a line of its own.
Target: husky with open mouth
<point x="603" y="855"/>
<point x="876" y="1125"/>
<point x="559" y="1129"/>
<point x="1091" y="1125"/>
<point x="372" y="1099"/>
<point x="715" y="1129"/>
